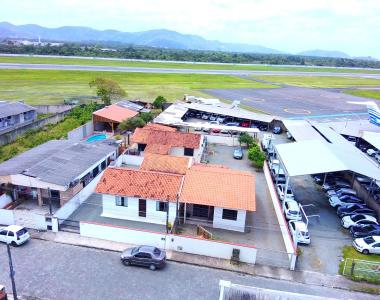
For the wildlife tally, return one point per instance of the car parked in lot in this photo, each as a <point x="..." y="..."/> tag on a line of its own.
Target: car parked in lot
<point x="281" y="192"/>
<point x="359" y="231"/>
<point x="145" y="256"/>
<point x="359" y="219"/>
<point x="341" y="191"/>
<point x="205" y="117"/>
<point x="299" y="232"/>
<point x="363" y="179"/>
<point x="238" y="153"/>
<point x="289" y="135"/>
<point x="14" y="235"/>
<point x="335" y="184"/>
<point x="371" y="152"/>
<point x="232" y="124"/>
<point x="336" y="201"/>
<point x="213" y="117"/>
<point x="292" y="210"/>
<point x="367" y="245"/>
<point x="220" y="119"/>
<point x="345" y="210"/>
<point x="244" y="124"/>
<point x="277" y="130"/>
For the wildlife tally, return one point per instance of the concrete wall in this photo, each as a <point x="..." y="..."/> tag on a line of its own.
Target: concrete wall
<point x="81" y="132"/>
<point x="180" y="243"/>
<point x="133" y="160"/>
<point x="6" y="217"/>
<point x="219" y="222"/>
<point x="52" y="109"/>
<point x="223" y="140"/>
<point x="9" y="135"/>
<point x="5" y="200"/>
<point x="111" y="210"/>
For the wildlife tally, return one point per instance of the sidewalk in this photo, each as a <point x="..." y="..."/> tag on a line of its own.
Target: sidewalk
<point x="305" y="277"/>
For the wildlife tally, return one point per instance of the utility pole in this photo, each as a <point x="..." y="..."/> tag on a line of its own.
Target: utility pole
<point x="50" y="207"/>
<point x="11" y="271"/>
<point x="167" y="217"/>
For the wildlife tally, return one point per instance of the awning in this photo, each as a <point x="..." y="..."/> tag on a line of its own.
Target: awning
<point x="372" y="137"/>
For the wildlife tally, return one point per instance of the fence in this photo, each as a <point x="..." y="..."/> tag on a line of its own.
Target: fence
<point x="180" y="243"/>
<point x="362" y="270"/>
<point x="223" y="140"/>
<point x="23" y="218"/>
<point x="81" y="132"/>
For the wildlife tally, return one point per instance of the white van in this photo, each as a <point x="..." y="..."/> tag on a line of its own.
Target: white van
<point x="14" y="235"/>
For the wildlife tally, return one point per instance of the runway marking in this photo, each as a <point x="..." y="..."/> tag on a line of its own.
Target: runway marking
<point x="254" y="99"/>
<point x="297" y="111"/>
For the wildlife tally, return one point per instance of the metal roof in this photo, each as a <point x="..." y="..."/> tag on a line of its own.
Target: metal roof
<point x="58" y="162"/>
<point x="13" y="108"/>
<point x="301" y="130"/>
<point x="132" y="106"/>
<point x="372" y="137"/>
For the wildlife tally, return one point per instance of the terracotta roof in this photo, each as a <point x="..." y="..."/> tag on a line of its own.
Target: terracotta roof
<point x="157" y="149"/>
<point x="148" y="135"/>
<point x="115" y="113"/>
<point x="138" y="183"/>
<point x="219" y="187"/>
<point x="155" y="126"/>
<point x="165" y="163"/>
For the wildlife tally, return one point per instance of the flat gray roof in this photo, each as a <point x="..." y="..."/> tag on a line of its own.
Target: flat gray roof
<point x="13" y="108"/>
<point x="301" y="130"/>
<point x="58" y="162"/>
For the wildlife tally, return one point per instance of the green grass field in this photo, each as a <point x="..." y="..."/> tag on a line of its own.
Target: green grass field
<point x="374" y="94"/>
<point x="152" y="64"/>
<point x="320" y="81"/>
<point x="53" y="86"/>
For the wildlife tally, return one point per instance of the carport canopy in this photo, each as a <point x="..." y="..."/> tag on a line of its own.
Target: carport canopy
<point x="372" y="137"/>
<point x="312" y="157"/>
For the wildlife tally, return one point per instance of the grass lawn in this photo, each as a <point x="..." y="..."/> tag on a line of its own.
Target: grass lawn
<point x="374" y="94"/>
<point x="321" y="81"/>
<point x="53" y="86"/>
<point x="152" y="64"/>
<point x="350" y="252"/>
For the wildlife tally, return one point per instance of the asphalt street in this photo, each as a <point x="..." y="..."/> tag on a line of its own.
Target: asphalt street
<point x="55" y="271"/>
<point x="174" y="70"/>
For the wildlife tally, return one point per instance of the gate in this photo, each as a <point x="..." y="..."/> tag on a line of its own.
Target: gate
<point x="69" y="225"/>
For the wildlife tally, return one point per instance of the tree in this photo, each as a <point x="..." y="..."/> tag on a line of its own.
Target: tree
<point x="107" y="89"/>
<point x="146" y="116"/>
<point x="247" y="139"/>
<point x="256" y="156"/>
<point x="132" y="124"/>
<point x="159" y="101"/>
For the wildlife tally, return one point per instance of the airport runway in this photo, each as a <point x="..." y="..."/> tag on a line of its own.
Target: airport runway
<point x="178" y="71"/>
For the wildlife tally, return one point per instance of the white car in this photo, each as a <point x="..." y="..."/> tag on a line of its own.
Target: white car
<point x="341" y="191"/>
<point x="281" y="192"/>
<point x="336" y="201"/>
<point x="220" y="119"/>
<point x="14" y="235"/>
<point x="292" y="210"/>
<point x="299" y="232"/>
<point x="371" y="152"/>
<point x="359" y="219"/>
<point x="289" y="135"/>
<point x="367" y="245"/>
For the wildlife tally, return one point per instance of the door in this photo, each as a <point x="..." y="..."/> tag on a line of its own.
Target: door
<point x="142" y="208"/>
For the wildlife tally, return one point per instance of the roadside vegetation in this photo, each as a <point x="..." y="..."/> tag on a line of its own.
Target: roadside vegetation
<point x="373" y="94"/>
<point x="255" y="154"/>
<point x="32" y="138"/>
<point x="360" y="272"/>
<point x="54" y="86"/>
<point x="320" y="81"/>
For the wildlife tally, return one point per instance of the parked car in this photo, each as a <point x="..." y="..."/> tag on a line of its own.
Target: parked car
<point x="292" y="210"/>
<point x="220" y="119"/>
<point x="332" y="184"/>
<point x="198" y="115"/>
<point x="205" y="117"/>
<point x="197" y="128"/>
<point x="14" y="235"/>
<point x="345" y="210"/>
<point x="277" y="130"/>
<point x="351" y="139"/>
<point x="238" y="153"/>
<point x="204" y="129"/>
<point x="359" y="219"/>
<point x="288" y="135"/>
<point x="318" y="178"/>
<point x="371" y="152"/>
<point x="341" y="191"/>
<point x="232" y="124"/>
<point x="244" y="124"/>
<point x="214" y="122"/>
<point x="145" y="256"/>
<point x="299" y="232"/>
<point x="363" y="148"/>
<point x="281" y="192"/>
<point x="359" y="231"/>
<point x="336" y="201"/>
<point x="213" y="117"/>
<point x="367" y="245"/>
<point x="263" y="127"/>
<point x="363" y="179"/>
<point x="215" y="130"/>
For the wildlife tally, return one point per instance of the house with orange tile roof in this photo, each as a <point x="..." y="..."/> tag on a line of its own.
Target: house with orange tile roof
<point x="164" y="140"/>
<point x="210" y="195"/>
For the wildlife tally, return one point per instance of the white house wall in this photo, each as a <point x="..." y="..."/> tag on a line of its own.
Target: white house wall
<point x="219" y="222"/>
<point x="177" y="151"/>
<point x="111" y="210"/>
<point x="23" y="180"/>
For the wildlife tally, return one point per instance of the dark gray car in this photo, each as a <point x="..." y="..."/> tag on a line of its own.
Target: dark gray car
<point x="145" y="256"/>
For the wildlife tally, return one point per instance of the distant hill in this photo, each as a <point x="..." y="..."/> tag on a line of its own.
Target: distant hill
<point x="324" y="53"/>
<point x="161" y="38"/>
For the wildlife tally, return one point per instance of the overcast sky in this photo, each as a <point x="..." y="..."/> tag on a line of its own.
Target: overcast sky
<point x="352" y="26"/>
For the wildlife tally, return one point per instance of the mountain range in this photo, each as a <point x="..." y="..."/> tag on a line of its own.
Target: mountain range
<point x="161" y="38"/>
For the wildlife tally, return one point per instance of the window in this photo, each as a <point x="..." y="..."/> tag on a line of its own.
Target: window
<point x="161" y="206"/>
<point x="54" y="194"/>
<point x="121" y="201"/>
<point x="188" y="152"/>
<point x="10" y="233"/>
<point x="229" y="214"/>
<point x="141" y="147"/>
<point x="3" y="232"/>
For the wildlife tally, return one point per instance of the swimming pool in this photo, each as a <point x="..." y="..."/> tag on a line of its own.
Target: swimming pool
<point x="98" y="137"/>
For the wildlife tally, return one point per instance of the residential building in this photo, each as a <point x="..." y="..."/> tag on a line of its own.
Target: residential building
<point x="55" y="170"/>
<point x="159" y="139"/>
<point x="16" y="113"/>
<point x="166" y="163"/>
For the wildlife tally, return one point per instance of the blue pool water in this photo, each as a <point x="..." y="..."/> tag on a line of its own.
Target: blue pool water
<point x="98" y="137"/>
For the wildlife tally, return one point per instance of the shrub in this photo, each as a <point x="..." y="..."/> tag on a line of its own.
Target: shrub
<point x="159" y="101"/>
<point x="256" y="156"/>
<point x="247" y="139"/>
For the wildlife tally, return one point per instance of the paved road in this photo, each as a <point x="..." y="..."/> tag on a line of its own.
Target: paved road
<point x="55" y="271"/>
<point x="174" y="70"/>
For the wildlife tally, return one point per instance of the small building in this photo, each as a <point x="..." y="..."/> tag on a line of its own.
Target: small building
<point x="166" y="163"/>
<point x="109" y="117"/>
<point x="159" y="139"/>
<point x="138" y="195"/>
<point x="16" y="113"/>
<point x="56" y="170"/>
